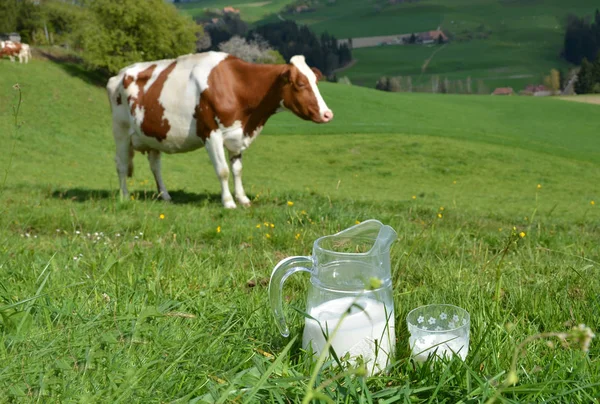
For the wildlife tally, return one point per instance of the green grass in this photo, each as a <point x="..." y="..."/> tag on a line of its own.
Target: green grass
<point x="524" y="42"/>
<point x="160" y="310"/>
<point x="250" y="10"/>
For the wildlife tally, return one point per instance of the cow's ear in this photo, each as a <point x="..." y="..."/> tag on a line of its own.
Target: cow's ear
<point x="290" y="74"/>
<point x="317" y="73"/>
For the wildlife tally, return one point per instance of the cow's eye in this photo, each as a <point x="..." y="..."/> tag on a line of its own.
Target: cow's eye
<point x="300" y="84"/>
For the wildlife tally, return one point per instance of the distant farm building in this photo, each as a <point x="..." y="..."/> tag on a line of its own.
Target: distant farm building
<point x="537" y="90"/>
<point x="503" y="91"/>
<point x="426" y="37"/>
<point x="432" y="36"/>
<point x="10" y="36"/>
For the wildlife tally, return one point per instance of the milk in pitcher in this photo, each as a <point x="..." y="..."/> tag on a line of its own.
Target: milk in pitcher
<point x="367" y="330"/>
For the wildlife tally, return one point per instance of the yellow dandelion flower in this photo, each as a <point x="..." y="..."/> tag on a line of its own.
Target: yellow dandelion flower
<point x="218" y="229"/>
<point x="297" y="236"/>
<point x="440" y="215"/>
<point x="290" y="203"/>
<point x="414" y="197"/>
<point x="454" y="182"/>
<point x="267" y="235"/>
<point x="539" y="186"/>
<point x="592" y="203"/>
<point x="266" y="224"/>
<point x="522" y="234"/>
<point x="258" y="226"/>
<point x="161" y="216"/>
<point x="357" y="221"/>
<point x="303" y="212"/>
<point x="441" y="208"/>
<point x="499" y="228"/>
<point x="132" y="198"/>
<point x="272" y="225"/>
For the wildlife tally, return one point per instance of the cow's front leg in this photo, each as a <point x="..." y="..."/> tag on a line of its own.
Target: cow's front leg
<point x="238" y="187"/>
<point x="216" y="152"/>
<point x="155" y="167"/>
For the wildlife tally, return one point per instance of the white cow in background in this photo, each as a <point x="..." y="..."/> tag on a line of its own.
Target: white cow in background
<point x="12" y="49"/>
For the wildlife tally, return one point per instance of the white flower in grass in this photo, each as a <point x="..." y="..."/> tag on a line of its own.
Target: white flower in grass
<point x="431" y="320"/>
<point x="420" y="319"/>
<point x="443" y="316"/>
<point x="75" y="258"/>
<point x="455" y="318"/>
<point x="118" y="234"/>
<point x="77" y="232"/>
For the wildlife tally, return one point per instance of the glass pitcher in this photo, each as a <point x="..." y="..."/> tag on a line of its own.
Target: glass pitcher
<point x="350" y="295"/>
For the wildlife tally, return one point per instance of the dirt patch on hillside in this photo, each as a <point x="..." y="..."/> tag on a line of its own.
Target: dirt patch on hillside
<point x="588" y="99"/>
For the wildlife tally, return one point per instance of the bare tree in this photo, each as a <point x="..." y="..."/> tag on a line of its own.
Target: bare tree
<point x="255" y="51"/>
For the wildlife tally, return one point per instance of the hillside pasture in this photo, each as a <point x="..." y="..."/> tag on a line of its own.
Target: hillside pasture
<point x="523" y="40"/>
<point x="250" y="10"/>
<point x="104" y="300"/>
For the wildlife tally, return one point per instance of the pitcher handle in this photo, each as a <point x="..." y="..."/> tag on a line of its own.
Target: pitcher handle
<point x="280" y="273"/>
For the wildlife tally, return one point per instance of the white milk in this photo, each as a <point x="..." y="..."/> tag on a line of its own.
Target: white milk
<point x="445" y="344"/>
<point x="357" y="333"/>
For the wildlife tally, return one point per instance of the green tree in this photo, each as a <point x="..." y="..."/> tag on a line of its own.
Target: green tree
<point x="120" y="32"/>
<point x="596" y="70"/>
<point x="9" y="11"/>
<point x="585" y="78"/>
<point x="29" y="20"/>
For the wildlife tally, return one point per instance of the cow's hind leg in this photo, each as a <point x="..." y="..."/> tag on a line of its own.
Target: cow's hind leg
<point x="216" y="152"/>
<point x="236" y="169"/>
<point x="123" y="157"/>
<point x="155" y="166"/>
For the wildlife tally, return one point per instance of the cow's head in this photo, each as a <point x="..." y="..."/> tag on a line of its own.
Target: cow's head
<point x="300" y="92"/>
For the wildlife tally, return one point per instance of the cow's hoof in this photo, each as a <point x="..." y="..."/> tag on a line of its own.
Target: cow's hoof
<point x="244" y="201"/>
<point x="229" y="204"/>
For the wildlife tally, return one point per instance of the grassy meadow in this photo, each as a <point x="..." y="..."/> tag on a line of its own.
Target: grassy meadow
<point x="495" y="202"/>
<point x="523" y="38"/>
<point x="250" y="10"/>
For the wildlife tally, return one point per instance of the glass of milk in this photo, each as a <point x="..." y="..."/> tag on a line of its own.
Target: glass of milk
<point x="438" y="329"/>
<point x="349" y="301"/>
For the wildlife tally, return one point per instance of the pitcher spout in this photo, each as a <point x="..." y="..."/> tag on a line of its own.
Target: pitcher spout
<point x="370" y="237"/>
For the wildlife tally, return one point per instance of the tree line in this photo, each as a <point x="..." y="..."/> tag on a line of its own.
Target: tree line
<point x="287" y="38"/>
<point x="582" y="38"/>
<point x="588" y="78"/>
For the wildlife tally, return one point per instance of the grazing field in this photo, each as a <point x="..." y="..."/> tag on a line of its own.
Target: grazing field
<point x="250" y="10"/>
<point x="495" y="201"/>
<point x="523" y="38"/>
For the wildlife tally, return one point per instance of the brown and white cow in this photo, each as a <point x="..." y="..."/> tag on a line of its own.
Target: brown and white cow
<point x="12" y="49"/>
<point x="207" y="99"/>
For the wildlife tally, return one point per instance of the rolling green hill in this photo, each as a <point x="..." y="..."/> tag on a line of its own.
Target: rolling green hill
<point x="470" y="137"/>
<point x="523" y="38"/>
